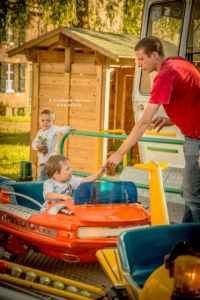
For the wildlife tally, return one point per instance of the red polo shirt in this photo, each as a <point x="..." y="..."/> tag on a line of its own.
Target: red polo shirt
<point x="177" y="88"/>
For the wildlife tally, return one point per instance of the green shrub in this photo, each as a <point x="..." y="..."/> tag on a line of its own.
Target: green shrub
<point x="21" y="112"/>
<point x="3" y="108"/>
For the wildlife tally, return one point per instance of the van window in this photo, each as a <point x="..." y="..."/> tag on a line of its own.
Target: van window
<point x="165" y="22"/>
<point x="193" y="40"/>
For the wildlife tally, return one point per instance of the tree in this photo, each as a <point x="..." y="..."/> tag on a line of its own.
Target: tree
<point x="15" y="14"/>
<point x="18" y="14"/>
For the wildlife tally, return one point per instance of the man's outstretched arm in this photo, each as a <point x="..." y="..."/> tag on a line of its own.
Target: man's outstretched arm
<point x="135" y="134"/>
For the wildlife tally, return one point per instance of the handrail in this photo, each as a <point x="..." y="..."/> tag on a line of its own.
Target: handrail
<point x="120" y="137"/>
<point x="117" y="137"/>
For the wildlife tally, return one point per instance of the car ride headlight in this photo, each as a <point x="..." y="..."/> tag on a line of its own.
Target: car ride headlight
<point x="103" y="232"/>
<point x="186" y="277"/>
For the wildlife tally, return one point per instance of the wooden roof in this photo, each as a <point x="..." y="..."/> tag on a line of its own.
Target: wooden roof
<point x="112" y="45"/>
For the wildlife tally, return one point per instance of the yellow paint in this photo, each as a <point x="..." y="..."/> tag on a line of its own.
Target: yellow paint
<point x="110" y="261"/>
<point x="160" y="133"/>
<point x="159" y="283"/>
<point x="158" y="205"/>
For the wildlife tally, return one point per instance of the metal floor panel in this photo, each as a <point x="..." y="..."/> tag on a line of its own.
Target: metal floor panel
<point x="89" y="273"/>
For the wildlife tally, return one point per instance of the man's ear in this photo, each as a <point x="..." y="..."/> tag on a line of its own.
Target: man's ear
<point x="155" y="54"/>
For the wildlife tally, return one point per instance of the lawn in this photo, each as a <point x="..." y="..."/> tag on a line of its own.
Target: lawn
<point x="14" y="145"/>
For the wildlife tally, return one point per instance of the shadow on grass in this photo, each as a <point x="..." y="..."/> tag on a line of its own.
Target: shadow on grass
<point x="11" y="176"/>
<point x="14" y="138"/>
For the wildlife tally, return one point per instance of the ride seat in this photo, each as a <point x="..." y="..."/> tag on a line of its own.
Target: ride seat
<point x="32" y="189"/>
<point x="143" y="250"/>
<point x="105" y="193"/>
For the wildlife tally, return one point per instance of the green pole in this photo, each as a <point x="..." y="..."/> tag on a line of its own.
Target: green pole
<point x="117" y="137"/>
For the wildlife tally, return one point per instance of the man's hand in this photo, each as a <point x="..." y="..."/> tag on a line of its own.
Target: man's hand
<point x="161" y="122"/>
<point x="114" y="160"/>
<point x="65" y="197"/>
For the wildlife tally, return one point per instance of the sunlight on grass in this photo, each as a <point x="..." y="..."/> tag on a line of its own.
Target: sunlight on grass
<point x="14" y="147"/>
<point x="10" y="157"/>
<point x="14" y="136"/>
<point x="16" y="119"/>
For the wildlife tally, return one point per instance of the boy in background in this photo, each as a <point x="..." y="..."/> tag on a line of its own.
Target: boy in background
<point x="46" y="140"/>
<point x="61" y="182"/>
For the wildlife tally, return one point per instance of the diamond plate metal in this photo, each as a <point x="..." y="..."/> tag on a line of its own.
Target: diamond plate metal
<point x="172" y="178"/>
<point x="89" y="273"/>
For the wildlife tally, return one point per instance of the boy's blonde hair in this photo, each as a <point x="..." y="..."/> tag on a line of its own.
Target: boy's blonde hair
<point x="49" y="112"/>
<point x="54" y="163"/>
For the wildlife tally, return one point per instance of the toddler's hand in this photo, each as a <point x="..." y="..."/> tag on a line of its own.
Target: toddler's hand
<point x="103" y="170"/>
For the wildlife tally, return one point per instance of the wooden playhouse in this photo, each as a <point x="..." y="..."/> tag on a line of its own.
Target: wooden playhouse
<point x="86" y="78"/>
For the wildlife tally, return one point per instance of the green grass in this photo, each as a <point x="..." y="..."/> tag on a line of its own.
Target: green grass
<point x="14" y="137"/>
<point x="14" y="147"/>
<point x="15" y="119"/>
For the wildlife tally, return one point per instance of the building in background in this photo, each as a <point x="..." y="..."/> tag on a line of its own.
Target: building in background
<point x="16" y="72"/>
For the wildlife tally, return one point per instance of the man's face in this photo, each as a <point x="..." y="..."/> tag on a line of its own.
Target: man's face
<point x="147" y="63"/>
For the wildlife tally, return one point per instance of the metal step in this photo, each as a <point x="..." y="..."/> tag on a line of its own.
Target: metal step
<point x="172" y="178"/>
<point x="10" y="291"/>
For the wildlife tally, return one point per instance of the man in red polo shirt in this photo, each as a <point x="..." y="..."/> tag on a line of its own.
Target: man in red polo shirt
<point x="177" y="88"/>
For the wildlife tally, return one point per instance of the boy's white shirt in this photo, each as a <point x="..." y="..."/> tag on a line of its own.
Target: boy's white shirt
<point x="52" y="186"/>
<point x="51" y="135"/>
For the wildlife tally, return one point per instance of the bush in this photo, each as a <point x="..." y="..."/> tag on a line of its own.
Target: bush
<point x="3" y="108"/>
<point x="21" y="112"/>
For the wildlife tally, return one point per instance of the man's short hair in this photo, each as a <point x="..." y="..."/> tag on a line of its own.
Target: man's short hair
<point x="54" y="163"/>
<point x="150" y="44"/>
<point x="49" y="112"/>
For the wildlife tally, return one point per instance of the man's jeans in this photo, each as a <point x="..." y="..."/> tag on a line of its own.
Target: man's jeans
<point x="43" y="175"/>
<point x="191" y="180"/>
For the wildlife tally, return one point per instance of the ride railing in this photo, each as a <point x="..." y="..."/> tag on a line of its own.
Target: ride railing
<point x="120" y="137"/>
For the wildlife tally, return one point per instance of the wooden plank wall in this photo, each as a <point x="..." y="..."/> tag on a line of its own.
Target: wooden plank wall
<point x="81" y="109"/>
<point x="85" y="114"/>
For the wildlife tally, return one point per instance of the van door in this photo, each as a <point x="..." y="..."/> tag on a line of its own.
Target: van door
<point x="169" y="21"/>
